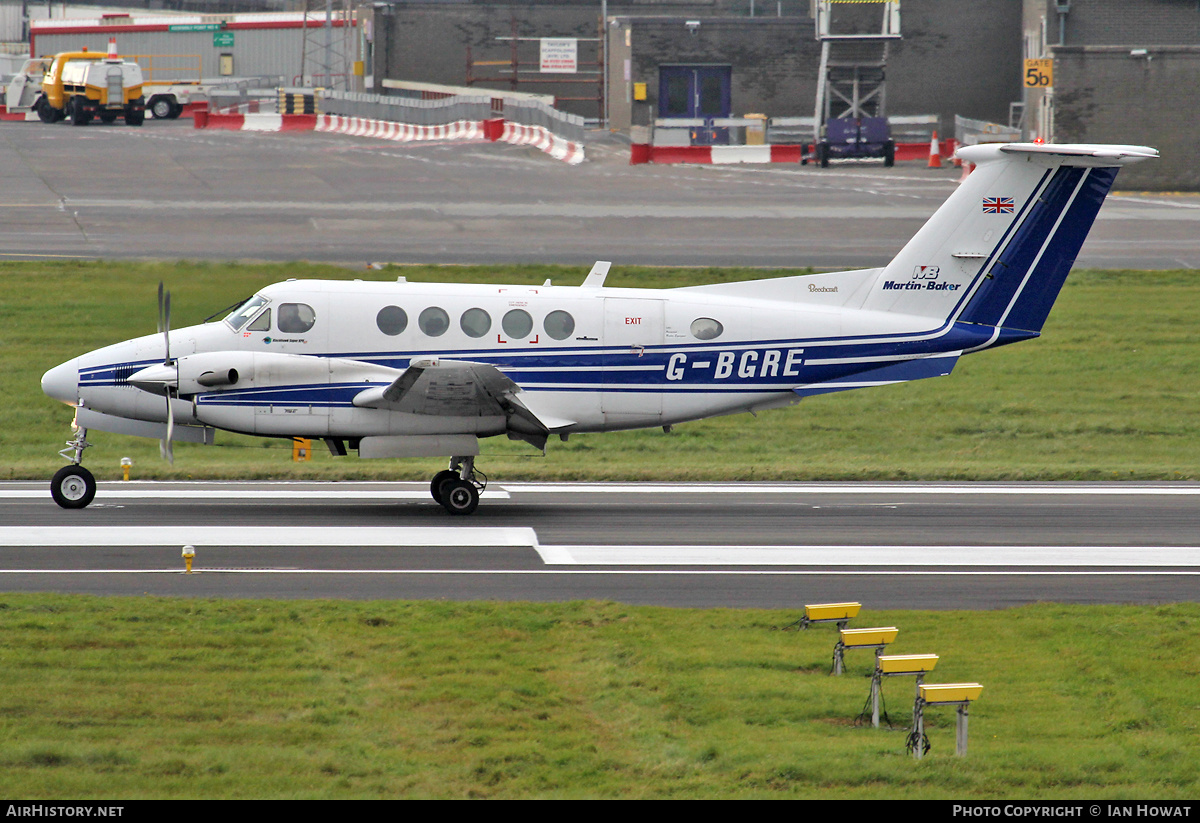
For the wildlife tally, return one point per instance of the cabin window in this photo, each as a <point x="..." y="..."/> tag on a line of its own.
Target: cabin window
<point x="705" y="328"/>
<point x="238" y="317"/>
<point x="391" y="320"/>
<point x="296" y="318"/>
<point x="475" y="322"/>
<point x="261" y="323"/>
<point x="559" y="324"/>
<point x="517" y="324"/>
<point x="434" y="321"/>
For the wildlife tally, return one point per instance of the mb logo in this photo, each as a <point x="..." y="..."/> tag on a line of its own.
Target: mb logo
<point x="925" y="273"/>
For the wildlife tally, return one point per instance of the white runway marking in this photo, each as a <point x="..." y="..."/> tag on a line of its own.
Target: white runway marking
<point x="121" y="491"/>
<point x="84" y="537"/>
<point x="264" y="536"/>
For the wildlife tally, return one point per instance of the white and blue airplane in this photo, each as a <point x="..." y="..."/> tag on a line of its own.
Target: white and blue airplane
<point x="424" y="369"/>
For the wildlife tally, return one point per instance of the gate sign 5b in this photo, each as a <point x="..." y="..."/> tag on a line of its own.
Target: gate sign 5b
<point x="1039" y="73"/>
<point x="559" y="55"/>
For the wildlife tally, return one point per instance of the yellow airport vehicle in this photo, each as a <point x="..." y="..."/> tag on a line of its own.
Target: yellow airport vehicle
<point x="81" y="85"/>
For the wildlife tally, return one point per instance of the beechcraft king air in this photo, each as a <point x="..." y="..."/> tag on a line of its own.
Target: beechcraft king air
<point x="420" y="369"/>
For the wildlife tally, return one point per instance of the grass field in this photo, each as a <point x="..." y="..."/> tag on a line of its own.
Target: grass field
<point x="125" y="698"/>
<point x="156" y="698"/>
<point x="1109" y="392"/>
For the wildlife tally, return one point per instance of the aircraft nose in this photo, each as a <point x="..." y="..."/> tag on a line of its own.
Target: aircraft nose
<point x="62" y="383"/>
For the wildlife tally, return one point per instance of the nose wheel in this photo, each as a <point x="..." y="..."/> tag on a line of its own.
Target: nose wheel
<point x="73" y="487"/>
<point x="458" y="487"/>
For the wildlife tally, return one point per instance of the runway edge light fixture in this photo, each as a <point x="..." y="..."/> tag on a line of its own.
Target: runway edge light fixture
<point x="897" y="665"/>
<point x="875" y="638"/>
<point x="942" y="694"/>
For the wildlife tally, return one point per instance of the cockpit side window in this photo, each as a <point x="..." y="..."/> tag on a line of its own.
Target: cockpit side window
<point x="296" y="318"/>
<point x="262" y="322"/>
<point x="245" y="311"/>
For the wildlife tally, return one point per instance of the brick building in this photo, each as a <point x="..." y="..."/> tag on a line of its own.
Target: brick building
<point x="1124" y="72"/>
<point x="954" y="58"/>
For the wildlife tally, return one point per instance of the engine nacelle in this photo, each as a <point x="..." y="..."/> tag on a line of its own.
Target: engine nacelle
<point x="211" y="372"/>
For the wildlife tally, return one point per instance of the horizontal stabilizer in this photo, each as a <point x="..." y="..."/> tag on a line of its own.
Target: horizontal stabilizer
<point x="902" y="372"/>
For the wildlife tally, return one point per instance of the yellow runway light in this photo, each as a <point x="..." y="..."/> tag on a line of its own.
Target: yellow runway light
<point x="854" y="638"/>
<point x="907" y="663"/>
<point x="950" y="692"/>
<point x="831" y="611"/>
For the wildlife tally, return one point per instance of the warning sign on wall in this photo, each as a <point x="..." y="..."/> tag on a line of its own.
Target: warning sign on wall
<point x="560" y="55"/>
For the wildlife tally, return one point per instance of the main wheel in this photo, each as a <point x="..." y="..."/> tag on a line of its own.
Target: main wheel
<point x="73" y="487"/>
<point x="435" y="486"/>
<point x="459" y="497"/>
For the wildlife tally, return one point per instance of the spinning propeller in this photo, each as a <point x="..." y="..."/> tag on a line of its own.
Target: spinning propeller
<point x="164" y="326"/>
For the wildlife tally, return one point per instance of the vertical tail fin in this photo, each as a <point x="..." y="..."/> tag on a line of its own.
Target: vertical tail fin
<point x="998" y="250"/>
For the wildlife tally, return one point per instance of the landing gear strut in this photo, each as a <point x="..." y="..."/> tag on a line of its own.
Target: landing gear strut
<point x="458" y="487"/>
<point x="73" y="486"/>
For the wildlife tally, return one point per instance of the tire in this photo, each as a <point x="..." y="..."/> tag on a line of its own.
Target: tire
<point x="435" y="486"/>
<point x="79" y="117"/>
<point x="889" y="153"/>
<point x="161" y="107"/>
<point x="134" y="117"/>
<point x="47" y="113"/>
<point x="73" y="487"/>
<point x="823" y="155"/>
<point x="459" y="497"/>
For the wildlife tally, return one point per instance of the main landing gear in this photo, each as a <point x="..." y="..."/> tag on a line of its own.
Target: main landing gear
<point x="458" y="487"/>
<point x="73" y="486"/>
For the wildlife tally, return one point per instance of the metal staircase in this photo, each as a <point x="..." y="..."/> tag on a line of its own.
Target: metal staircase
<point x="851" y="81"/>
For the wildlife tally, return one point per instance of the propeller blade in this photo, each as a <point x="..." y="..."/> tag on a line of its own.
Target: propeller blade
<point x="167" y="327"/>
<point x="166" y="446"/>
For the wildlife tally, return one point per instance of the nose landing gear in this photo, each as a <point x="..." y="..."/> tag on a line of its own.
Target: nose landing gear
<point x="458" y="487"/>
<point x="73" y="486"/>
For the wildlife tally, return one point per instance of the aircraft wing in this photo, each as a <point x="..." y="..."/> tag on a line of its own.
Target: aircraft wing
<point x="462" y="388"/>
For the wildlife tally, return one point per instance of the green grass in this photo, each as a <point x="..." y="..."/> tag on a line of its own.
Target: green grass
<point x="1109" y="392"/>
<point x="149" y="698"/>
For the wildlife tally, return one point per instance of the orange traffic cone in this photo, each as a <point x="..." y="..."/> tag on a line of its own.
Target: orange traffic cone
<point x="935" y="154"/>
<point x="112" y="48"/>
<point x="967" y="168"/>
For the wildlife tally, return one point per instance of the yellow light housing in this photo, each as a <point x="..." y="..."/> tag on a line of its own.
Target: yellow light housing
<point x="832" y="611"/>
<point x="950" y="692"/>
<point x="907" y="663"/>
<point x="869" y="637"/>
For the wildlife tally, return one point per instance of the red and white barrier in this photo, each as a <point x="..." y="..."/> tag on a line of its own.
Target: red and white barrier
<point x="644" y="153"/>
<point x="716" y="154"/>
<point x="544" y="139"/>
<point x="461" y="131"/>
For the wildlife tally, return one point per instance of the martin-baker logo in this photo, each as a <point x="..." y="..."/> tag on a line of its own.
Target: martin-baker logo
<point x="925" y="278"/>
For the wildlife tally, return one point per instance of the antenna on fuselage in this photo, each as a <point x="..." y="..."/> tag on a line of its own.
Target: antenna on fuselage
<point x="595" y="278"/>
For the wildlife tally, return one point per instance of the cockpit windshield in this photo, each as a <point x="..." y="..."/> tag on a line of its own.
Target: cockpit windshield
<point x="245" y="311"/>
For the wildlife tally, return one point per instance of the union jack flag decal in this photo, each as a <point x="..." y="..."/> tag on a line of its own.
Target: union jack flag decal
<point x="997" y="205"/>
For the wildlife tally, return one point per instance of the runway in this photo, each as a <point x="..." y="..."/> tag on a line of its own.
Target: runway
<point x="931" y="546"/>
<point x="169" y="191"/>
